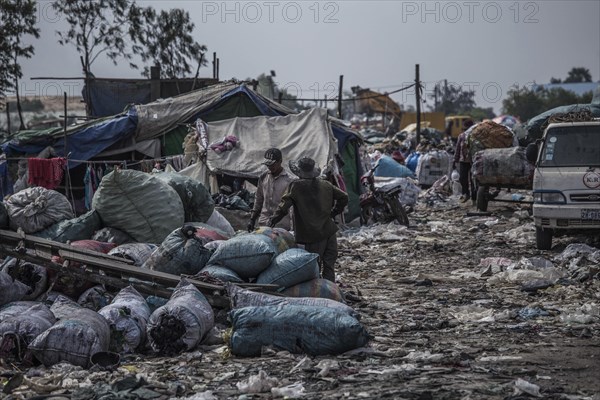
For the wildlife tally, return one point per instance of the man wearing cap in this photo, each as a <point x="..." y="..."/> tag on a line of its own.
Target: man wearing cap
<point x="316" y="202"/>
<point x="271" y="186"/>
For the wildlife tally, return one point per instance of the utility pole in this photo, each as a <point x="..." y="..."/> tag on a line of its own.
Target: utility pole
<point x="418" y="97"/>
<point x="340" y="96"/>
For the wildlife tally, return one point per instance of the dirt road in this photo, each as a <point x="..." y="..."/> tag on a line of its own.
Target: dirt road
<point x="444" y="324"/>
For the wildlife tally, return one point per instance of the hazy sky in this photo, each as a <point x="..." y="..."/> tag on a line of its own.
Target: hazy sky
<point x="487" y="46"/>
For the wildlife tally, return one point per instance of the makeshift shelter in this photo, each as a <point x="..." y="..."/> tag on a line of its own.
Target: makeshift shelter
<point x="157" y="130"/>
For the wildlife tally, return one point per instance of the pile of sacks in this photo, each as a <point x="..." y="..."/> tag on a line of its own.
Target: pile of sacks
<point x="40" y="308"/>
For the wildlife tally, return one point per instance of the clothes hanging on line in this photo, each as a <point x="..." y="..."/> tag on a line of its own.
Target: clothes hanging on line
<point x="46" y="172"/>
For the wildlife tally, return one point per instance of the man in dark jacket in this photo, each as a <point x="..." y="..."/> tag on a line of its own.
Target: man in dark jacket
<point x="316" y="202"/>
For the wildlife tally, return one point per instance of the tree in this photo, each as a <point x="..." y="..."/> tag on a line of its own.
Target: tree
<point x="578" y="74"/>
<point x="18" y="19"/>
<point x="166" y="39"/>
<point x="451" y="99"/>
<point x="480" y="113"/>
<point x="526" y="103"/>
<point x="97" y="27"/>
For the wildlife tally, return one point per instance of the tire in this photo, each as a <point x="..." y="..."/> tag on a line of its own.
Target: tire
<point x="398" y="211"/>
<point x="543" y="238"/>
<point x="482" y="198"/>
<point x="366" y="215"/>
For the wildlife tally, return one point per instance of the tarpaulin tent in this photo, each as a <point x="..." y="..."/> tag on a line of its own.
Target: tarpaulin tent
<point x="142" y="125"/>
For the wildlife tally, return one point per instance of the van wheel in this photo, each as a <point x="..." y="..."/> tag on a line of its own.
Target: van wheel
<point x="543" y="238"/>
<point x="482" y="198"/>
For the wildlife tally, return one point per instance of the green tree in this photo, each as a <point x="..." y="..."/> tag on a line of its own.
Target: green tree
<point x="17" y="20"/>
<point x="578" y="74"/>
<point x="480" y="113"/>
<point x="166" y="39"/>
<point x="98" y="27"/>
<point x="452" y="99"/>
<point x="526" y="103"/>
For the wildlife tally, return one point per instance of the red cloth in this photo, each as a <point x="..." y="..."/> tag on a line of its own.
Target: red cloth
<point x="46" y="172"/>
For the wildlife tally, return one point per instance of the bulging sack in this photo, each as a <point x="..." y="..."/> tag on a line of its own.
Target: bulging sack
<point x="240" y="298"/>
<point x="22" y="327"/>
<point x="136" y="252"/>
<point x="222" y="273"/>
<point x="283" y="239"/>
<point x="247" y="255"/>
<point x="79" y="228"/>
<point x="507" y="166"/>
<point x="127" y="317"/>
<point x="182" y="252"/>
<point x="181" y="324"/>
<point x="290" y="268"/>
<point x="139" y="204"/>
<point x="11" y="289"/>
<point x="77" y="335"/>
<point x="198" y="204"/>
<point x="33" y="275"/>
<point x="297" y="329"/>
<point x="316" y="288"/>
<point x="35" y="209"/>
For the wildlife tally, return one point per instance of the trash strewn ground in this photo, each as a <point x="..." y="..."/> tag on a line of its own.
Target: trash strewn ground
<point x="460" y="305"/>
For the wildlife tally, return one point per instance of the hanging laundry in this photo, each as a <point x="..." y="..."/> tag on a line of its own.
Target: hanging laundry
<point x="46" y="172"/>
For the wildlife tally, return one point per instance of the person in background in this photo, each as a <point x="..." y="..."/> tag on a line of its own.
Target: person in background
<point x="271" y="186"/>
<point x="462" y="159"/>
<point x="316" y="202"/>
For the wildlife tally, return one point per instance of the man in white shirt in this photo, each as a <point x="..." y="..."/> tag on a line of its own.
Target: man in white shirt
<point x="271" y="186"/>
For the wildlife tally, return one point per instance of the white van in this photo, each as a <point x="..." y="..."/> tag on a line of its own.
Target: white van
<point x="566" y="182"/>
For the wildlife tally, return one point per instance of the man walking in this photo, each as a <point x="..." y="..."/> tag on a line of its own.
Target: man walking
<point x="316" y="202"/>
<point x="271" y="186"/>
<point x="462" y="157"/>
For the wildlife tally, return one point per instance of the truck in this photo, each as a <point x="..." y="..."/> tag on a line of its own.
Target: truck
<point x="455" y="125"/>
<point x="566" y="180"/>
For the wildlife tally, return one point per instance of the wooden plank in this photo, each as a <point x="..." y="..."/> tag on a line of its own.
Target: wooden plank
<point x="10" y="236"/>
<point x="149" y="288"/>
<point x="147" y="274"/>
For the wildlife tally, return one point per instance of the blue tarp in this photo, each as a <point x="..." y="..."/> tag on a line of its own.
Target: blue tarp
<point x="387" y="166"/>
<point x="111" y="98"/>
<point x="85" y="143"/>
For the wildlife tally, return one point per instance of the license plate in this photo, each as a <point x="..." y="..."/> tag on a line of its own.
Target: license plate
<point x="590" y="214"/>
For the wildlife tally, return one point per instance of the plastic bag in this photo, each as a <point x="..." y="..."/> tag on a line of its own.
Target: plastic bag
<point x="222" y="273"/>
<point x="33" y="275"/>
<point x="112" y="235"/>
<point x="316" y="288"/>
<point x="198" y="204"/>
<point x="79" y="228"/>
<point x="136" y="252"/>
<point x="24" y="325"/>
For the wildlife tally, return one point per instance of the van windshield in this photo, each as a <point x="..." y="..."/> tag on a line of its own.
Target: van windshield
<point x="572" y="146"/>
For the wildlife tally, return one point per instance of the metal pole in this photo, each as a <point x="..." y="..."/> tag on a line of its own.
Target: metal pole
<point x="340" y="96"/>
<point x="418" y="97"/>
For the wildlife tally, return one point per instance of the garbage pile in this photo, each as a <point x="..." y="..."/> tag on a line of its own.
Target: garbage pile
<point x="460" y="305"/>
<point x="160" y="223"/>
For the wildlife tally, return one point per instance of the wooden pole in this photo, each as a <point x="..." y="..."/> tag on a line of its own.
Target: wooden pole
<point x="198" y="70"/>
<point x="8" y="117"/>
<point x="218" y="66"/>
<point x="340" y="96"/>
<point x="418" y="97"/>
<point x="280" y="97"/>
<point x="214" y="65"/>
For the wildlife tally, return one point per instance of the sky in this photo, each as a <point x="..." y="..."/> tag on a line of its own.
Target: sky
<point x="485" y="46"/>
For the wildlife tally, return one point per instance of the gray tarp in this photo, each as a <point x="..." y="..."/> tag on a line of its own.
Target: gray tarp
<point x="297" y="135"/>
<point x="156" y="118"/>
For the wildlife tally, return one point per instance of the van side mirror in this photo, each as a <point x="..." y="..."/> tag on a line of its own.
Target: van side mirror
<point x="531" y="152"/>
